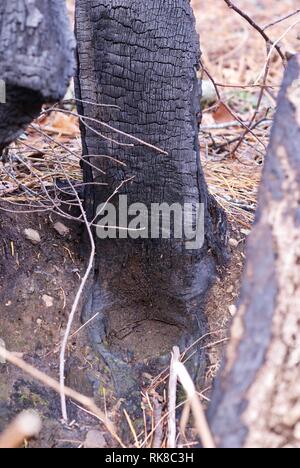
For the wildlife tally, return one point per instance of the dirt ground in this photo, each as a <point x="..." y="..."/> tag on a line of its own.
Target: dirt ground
<point x="38" y="283"/>
<point x="36" y="293"/>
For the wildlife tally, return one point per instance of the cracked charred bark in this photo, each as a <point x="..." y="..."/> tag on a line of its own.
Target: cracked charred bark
<point x="36" y="60"/>
<point x="143" y="58"/>
<point x="256" y="400"/>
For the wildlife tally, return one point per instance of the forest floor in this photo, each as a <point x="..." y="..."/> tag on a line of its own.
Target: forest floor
<point x="38" y="281"/>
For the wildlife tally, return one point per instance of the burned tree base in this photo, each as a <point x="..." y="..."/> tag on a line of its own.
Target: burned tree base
<point x="149" y="291"/>
<point x="143" y="310"/>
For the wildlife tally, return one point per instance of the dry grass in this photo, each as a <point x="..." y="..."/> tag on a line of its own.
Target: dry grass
<point x="236" y="55"/>
<point x="35" y="163"/>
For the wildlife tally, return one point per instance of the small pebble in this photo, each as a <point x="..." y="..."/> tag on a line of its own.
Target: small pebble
<point x="233" y="242"/>
<point x="61" y="229"/>
<point x="94" y="439"/>
<point x="33" y="236"/>
<point x="232" y="310"/>
<point x="48" y="300"/>
<point x="2" y="344"/>
<point x="209" y="95"/>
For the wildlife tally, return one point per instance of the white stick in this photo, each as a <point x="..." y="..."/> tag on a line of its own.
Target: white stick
<point x="172" y="399"/>
<point x="72" y="314"/>
<point x="198" y="412"/>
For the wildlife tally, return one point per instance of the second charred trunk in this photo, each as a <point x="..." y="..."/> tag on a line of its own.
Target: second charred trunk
<point x="36" y="61"/>
<point x="255" y="403"/>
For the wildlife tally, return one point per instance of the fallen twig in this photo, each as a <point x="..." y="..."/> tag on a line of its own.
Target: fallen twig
<point x="158" y="433"/>
<point x="197" y="409"/>
<point x="130" y="424"/>
<point x="185" y="419"/>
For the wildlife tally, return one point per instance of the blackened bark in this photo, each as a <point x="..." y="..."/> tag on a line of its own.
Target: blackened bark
<point x="143" y="57"/>
<point x="36" y="60"/>
<point x="256" y="399"/>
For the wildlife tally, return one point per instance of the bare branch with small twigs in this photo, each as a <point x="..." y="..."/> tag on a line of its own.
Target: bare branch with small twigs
<point x="257" y="27"/>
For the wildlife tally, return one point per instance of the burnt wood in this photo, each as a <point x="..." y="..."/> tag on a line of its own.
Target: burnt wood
<point x="36" y="60"/>
<point x="141" y="58"/>
<point x="256" y="398"/>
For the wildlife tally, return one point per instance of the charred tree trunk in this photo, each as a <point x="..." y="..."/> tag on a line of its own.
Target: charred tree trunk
<point x="36" y="60"/>
<point x="256" y="400"/>
<point x="142" y="58"/>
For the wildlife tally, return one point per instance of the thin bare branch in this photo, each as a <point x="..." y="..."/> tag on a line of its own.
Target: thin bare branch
<point x="257" y="27"/>
<point x="280" y="20"/>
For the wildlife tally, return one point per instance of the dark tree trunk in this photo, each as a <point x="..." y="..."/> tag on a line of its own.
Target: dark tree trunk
<point x="36" y="60"/>
<point x="256" y="400"/>
<point x="143" y="58"/>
